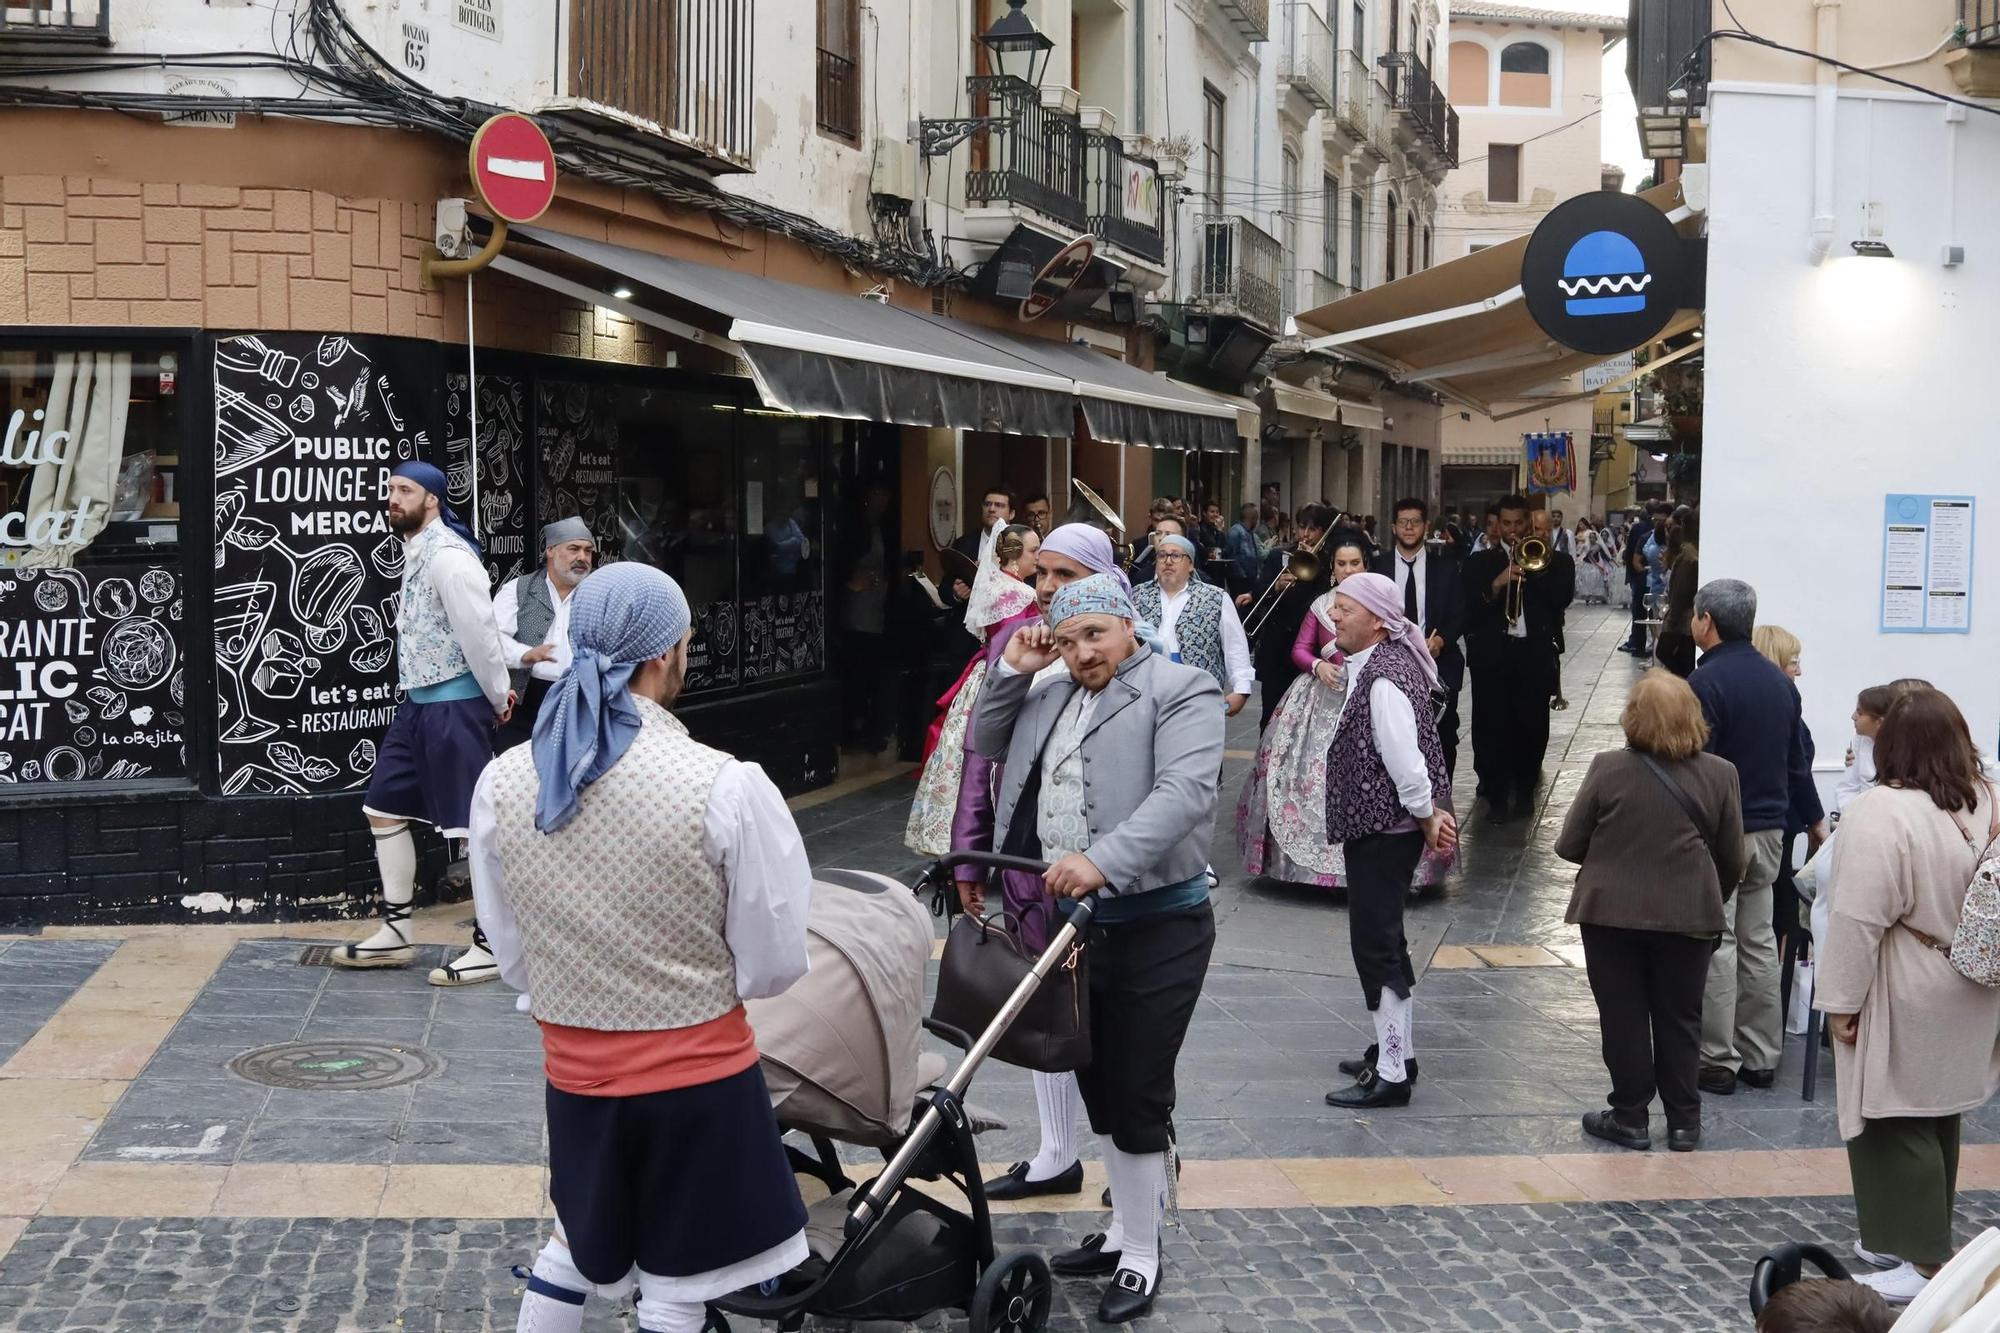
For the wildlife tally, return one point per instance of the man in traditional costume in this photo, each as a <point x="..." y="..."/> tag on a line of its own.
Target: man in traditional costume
<point x="532" y="612"/>
<point x="1389" y="804"/>
<point x="1110" y="777"/>
<point x="453" y="675"/>
<point x="1196" y="620"/>
<point x="639" y="887"/>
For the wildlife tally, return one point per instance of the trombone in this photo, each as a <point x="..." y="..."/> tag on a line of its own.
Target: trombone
<point x="1531" y="556"/>
<point x="1302" y="565"/>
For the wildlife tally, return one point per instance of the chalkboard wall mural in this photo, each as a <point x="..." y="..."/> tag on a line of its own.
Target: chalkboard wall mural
<point x="91" y="674"/>
<point x="308" y="428"/>
<point x="784" y="634"/>
<point x="577" y="439"/>
<point x="505" y="479"/>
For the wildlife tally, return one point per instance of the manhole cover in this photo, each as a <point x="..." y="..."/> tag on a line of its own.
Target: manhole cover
<point x="335" y="1065"/>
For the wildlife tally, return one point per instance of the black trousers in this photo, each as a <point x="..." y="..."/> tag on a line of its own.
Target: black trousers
<point x="1145" y="979"/>
<point x="1638" y="592"/>
<point x="1648" y="985"/>
<point x="1512" y="683"/>
<point x="868" y="686"/>
<point x="1379" y="870"/>
<point x="520" y="728"/>
<point x="1448" y="734"/>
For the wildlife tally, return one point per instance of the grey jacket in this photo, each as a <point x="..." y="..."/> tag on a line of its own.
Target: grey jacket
<point x="1152" y="761"/>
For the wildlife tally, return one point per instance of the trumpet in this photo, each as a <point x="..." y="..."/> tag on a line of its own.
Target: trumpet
<point x="1303" y="566"/>
<point x="1531" y="556"/>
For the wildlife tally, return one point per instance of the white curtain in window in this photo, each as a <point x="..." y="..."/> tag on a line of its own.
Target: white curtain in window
<point x="88" y="400"/>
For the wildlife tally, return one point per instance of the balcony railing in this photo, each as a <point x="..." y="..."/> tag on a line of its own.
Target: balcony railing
<point x="1251" y="18"/>
<point x="1317" y="288"/>
<point x="678" y="68"/>
<point x="56" y="21"/>
<point x="1356" y="87"/>
<point x="1307" y="63"/>
<point x="1981" y="21"/>
<point x="838" y="97"/>
<point x="1240" y="269"/>
<point x="1426" y="114"/>
<point x="1127" y="205"/>
<point x="1036" y="159"/>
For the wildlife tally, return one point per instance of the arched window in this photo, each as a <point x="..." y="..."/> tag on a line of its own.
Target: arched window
<point x="1525" y="78"/>
<point x="1469" y="74"/>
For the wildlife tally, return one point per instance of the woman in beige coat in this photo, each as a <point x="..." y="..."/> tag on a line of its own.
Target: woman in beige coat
<point x="1919" y="1043"/>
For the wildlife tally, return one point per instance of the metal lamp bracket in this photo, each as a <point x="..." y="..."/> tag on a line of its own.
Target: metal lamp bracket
<point x="938" y="137"/>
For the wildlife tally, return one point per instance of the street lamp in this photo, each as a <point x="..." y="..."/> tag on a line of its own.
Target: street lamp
<point x="1020" y="57"/>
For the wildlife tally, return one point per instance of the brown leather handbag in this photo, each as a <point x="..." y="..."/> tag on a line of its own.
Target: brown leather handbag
<point x="984" y="960"/>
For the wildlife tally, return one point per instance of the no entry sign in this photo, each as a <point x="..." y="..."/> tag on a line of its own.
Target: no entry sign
<point x="513" y="167"/>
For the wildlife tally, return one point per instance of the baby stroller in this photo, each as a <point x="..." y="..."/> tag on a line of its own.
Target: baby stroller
<point x="1964" y="1297"/>
<point x="840" y="1052"/>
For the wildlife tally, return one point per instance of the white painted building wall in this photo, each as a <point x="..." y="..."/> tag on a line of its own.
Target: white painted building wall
<point x="1830" y="387"/>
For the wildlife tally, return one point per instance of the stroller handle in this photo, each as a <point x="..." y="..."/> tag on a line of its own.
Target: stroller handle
<point x="991" y="861"/>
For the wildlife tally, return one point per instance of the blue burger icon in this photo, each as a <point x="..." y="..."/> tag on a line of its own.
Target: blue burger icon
<point x="1604" y="274"/>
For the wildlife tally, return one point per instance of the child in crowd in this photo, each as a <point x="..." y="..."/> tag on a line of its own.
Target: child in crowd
<point x="1822" y="1305"/>
<point x="1870" y="707"/>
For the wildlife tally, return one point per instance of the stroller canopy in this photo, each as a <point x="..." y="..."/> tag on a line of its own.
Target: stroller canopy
<point x="840" y="1048"/>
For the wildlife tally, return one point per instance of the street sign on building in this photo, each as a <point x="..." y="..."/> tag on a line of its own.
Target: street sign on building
<point x="513" y="167"/>
<point x="1597" y="376"/>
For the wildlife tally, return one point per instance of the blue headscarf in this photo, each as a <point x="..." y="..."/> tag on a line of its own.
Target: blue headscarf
<point x="432" y="480"/>
<point x="619" y="617"/>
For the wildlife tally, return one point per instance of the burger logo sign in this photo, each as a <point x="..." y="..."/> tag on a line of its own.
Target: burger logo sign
<point x="1602" y="273"/>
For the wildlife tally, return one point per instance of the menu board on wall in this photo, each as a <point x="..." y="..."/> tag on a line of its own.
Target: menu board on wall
<point x="504" y="481"/>
<point x="784" y="635"/>
<point x="91" y="677"/>
<point x="306" y="568"/>
<point x="578" y="441"/>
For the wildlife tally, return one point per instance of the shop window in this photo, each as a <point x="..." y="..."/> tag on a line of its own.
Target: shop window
<point x="1525" y="76"/>
<point x="92" y="602"/>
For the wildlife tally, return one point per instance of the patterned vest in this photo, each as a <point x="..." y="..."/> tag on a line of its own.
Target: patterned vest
<point x="1199" y="629"/>
<point x="622" y="914"/>
<point x="533" y="615"/>
<point x="426" y="652"/>
<point x="1360" y="795"/>
<point x="1062" y="808"/>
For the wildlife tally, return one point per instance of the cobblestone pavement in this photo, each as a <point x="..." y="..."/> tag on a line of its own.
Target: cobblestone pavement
<point x="146" y="1186"/>
<point x="1609" y="1266"/>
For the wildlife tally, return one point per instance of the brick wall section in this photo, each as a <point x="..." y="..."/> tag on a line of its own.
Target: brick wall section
<point x="91" y="250"/>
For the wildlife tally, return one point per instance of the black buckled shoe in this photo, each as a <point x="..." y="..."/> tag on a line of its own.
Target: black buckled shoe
<point x="1127" y="1298"/>
<point x="1014" y="1184"/>
<point x="1606" y="1126"/>
<point x="1089" y="1259"/>
<point x="1353" y="1068"/>
<point x="1370" y="1090"/>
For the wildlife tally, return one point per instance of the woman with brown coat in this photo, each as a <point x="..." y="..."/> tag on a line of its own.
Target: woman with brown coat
<point x="1657" y="829"/>
<point x="1918" y="1044"/>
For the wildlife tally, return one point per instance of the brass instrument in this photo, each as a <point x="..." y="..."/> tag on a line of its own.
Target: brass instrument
<point x="1531" y="556"/>
<point x="1093" y="509"/>
<point x="1303" y="566"/>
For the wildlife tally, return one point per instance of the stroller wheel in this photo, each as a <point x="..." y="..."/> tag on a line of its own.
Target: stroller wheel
<point x="1012" y="1297"/>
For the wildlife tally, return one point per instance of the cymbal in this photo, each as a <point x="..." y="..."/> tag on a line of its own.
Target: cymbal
<point x="1096" y="501"/>
<point x="957" y="566"/>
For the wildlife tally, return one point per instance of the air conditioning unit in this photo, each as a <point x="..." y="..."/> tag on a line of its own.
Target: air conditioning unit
<point x="894" y="172"/>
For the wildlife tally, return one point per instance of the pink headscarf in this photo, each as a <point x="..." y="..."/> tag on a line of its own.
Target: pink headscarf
<point x="1377" y="592"/>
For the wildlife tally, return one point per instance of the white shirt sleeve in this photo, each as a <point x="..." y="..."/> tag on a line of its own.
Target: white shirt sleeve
<point x="461" y="586"/>
<point x="506" y="619"/>
<point x="1236" y="651"/>
<point x="489" y="889"/>
<point x="750" y="835"/>
<point x="1396" y="741"/>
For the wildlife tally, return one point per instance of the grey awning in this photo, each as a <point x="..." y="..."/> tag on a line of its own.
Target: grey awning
<point x="825" y="353"/>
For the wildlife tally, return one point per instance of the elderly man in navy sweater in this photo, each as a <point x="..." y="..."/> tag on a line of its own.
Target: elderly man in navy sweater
<point x="1755" y="722"/>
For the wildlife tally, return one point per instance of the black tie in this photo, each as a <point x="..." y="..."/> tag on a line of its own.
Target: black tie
<point x="1410" y="591"/>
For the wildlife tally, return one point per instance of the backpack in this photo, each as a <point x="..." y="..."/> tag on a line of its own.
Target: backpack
<point x="1974" y="950"/>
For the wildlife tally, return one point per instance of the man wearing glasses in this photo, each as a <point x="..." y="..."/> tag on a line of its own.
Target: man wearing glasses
<point x="1196" y="620"/>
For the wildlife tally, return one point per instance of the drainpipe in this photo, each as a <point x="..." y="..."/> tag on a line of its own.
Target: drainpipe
<point x="1826" y="106"/>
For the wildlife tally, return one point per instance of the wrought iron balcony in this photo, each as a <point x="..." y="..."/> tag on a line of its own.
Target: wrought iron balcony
<point x="1980" y="21"/>
<point x="1426" y="117"/>
<point x="1251" y="18"/>
<point x="1035" y="158"/>
<point x="1239" y="269"/>
<point x="55" y="22"/>
<point x="1306" y="65"/>
<point x="680" y="69"/>
<point x="1127" y="204"/>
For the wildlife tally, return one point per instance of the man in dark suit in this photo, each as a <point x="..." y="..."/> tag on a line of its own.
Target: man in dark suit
<point x="1635" y="580"/>
<point x="1512" y="620"/>
<point x="1433" y="595"/>
<point x="996" y="511"/>
<point x="1279" y="624"/>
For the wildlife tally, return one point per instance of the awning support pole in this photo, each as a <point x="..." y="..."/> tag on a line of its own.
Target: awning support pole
<point x="472" y="403"/>
<point x="1480" y="307"/>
